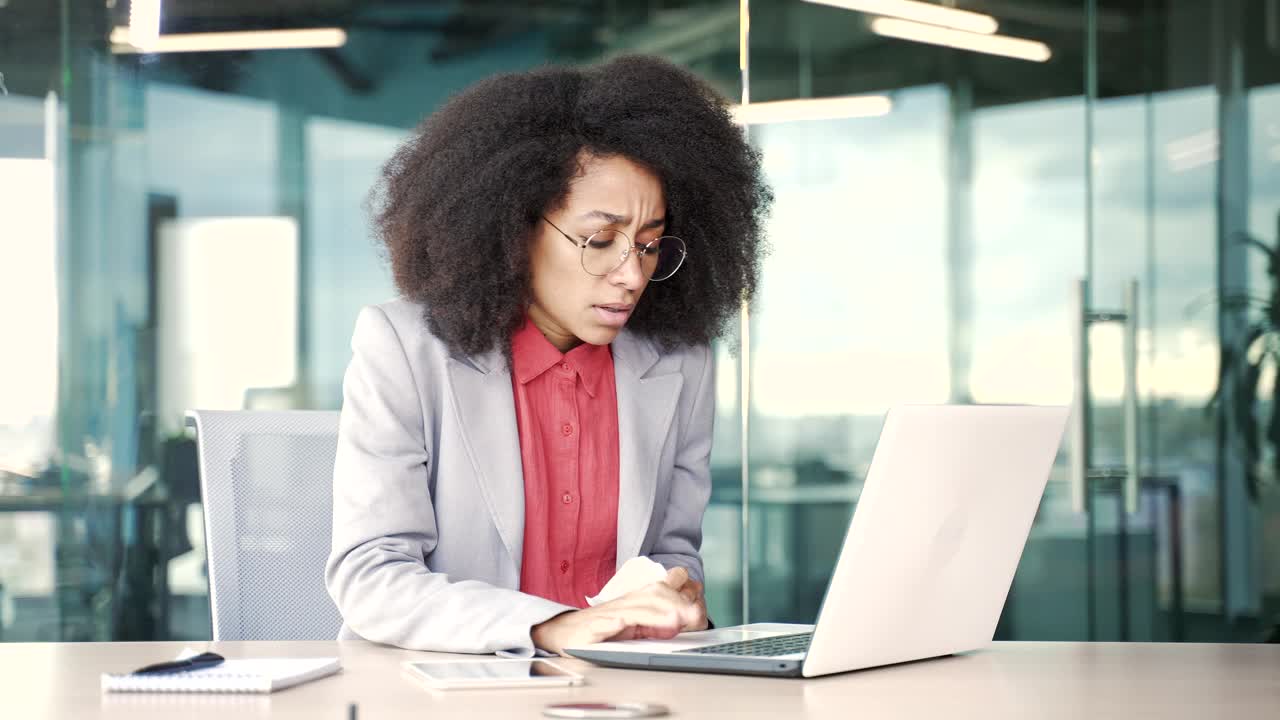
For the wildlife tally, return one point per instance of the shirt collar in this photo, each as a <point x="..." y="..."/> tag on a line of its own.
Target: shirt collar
<point x="532" y="355"/>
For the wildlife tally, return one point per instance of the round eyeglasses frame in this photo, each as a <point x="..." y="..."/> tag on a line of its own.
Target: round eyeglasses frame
<point x="641" y="249"/>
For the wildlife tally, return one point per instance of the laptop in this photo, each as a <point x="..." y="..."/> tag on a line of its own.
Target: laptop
<point x="927" y="560"/>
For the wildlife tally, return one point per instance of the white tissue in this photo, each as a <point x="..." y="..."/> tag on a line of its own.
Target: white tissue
<point x="633" y="575"/>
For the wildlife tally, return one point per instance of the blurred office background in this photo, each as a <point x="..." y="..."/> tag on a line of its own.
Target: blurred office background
<point x="1015" y="203"/>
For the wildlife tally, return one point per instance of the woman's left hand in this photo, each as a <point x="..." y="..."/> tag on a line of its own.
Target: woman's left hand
<point x="679" y="580"/>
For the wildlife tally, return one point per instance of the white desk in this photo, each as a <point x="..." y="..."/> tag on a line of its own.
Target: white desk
<point x="1010" y="680"/>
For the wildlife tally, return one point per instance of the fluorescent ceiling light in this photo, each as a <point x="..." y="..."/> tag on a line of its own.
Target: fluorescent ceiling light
<point x="990" y="44"/>
<point x="144" y="22"/>
<point x="250" y="40"/>
<point x="811" y="109"/>
<point x="920" y="12"/>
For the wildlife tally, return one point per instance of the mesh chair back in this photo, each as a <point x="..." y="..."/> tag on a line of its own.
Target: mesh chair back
<point x="267" y="483"/>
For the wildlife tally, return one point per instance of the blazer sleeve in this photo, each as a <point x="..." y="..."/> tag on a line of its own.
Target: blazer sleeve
<point x="680" y="539"/>
<point x="384" y="526"/>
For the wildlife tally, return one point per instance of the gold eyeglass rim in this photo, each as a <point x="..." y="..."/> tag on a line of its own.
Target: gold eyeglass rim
<point x="582" y="245"/>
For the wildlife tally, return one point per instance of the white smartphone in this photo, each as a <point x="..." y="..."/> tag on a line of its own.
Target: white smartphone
<point x="490" y="673"/>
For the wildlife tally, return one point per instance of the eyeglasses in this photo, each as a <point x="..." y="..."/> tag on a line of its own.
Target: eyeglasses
<point x="606" y="250"/>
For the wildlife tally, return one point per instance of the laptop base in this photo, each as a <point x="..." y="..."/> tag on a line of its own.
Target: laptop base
<point x="720" y="664"/>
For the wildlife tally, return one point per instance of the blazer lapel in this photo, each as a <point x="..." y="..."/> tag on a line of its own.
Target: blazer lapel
<point x="482" y="394"/>
<point x="646" y="407"/>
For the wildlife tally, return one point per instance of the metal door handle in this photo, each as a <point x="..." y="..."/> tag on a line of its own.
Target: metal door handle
<point x="1131" y="398"/>
<point x="1080" y="397"/>
<point x="1082" y="318"/>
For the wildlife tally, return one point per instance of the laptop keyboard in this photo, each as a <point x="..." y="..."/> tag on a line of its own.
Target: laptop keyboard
<point x="759" y="647"/>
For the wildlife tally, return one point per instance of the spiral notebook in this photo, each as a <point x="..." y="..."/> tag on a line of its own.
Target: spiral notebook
<point x="250" y="675"/>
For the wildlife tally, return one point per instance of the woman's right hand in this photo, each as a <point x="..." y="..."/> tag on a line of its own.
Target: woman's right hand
<point x="656" y="611"/>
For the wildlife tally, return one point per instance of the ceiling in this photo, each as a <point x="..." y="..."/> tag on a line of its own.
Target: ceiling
<point x="797" y="49"/>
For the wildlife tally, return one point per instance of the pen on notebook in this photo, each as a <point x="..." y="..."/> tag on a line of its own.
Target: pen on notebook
<point x="196" y="662"/>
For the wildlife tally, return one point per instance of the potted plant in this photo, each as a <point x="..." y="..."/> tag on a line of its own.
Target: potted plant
<point x="1241" y="368"/>
<point x="1244" y="361"/>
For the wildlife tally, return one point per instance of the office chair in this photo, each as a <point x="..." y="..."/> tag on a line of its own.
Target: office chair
<point x="267" y="482"/>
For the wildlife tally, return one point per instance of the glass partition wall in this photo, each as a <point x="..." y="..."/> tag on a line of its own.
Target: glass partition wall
<point x="993" y="202"/>
<point x="1035" y="202"/>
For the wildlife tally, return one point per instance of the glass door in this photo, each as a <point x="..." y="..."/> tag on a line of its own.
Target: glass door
<point x="928" y="235"/>
<point x="1178" y="465"/>
<point x="1143" y="352"/>
<point x="1064" y="225"/>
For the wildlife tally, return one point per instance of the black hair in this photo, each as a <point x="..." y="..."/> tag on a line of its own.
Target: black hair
<point x="457" y="204"/>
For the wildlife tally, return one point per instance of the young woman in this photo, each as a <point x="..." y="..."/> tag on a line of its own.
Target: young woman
<point x="537" y="407"/>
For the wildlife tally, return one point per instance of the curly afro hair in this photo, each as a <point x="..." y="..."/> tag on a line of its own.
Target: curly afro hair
<point x="457" y="203"/>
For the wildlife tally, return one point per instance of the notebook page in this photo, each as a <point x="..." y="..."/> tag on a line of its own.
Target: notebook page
<point x="250" y="675"/>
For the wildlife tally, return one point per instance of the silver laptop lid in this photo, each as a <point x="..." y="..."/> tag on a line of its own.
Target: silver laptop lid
<point x="937" y="534"/>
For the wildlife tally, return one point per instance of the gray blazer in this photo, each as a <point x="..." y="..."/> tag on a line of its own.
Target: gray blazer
<point x="428" y="490"/>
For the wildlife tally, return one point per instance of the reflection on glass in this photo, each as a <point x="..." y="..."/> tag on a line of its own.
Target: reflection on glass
<point x="344" y="269"/>
<point x="1264" y="225"/>
<point x="838" y="333"/>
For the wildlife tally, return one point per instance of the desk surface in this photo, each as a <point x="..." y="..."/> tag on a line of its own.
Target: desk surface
<point x="1009" y="680"/>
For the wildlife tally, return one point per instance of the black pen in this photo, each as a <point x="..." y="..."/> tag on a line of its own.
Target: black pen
<point x="196" y="662"/>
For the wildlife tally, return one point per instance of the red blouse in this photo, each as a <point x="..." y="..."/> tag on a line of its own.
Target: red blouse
<point x="567" y="415"/>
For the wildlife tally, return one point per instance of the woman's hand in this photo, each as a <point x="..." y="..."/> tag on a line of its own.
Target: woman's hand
<point x="693" y="591"/>
<point x="658" y="611"/>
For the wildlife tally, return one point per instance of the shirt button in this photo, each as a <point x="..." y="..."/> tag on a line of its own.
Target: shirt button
<point x="564" y="566"/>
<point x="567" y="429"/>
<point x="567" y="498"/>
<point x="565" y="367"/>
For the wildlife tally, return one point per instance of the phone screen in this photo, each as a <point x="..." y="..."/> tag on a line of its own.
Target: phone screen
<point x="482" y="671"/>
